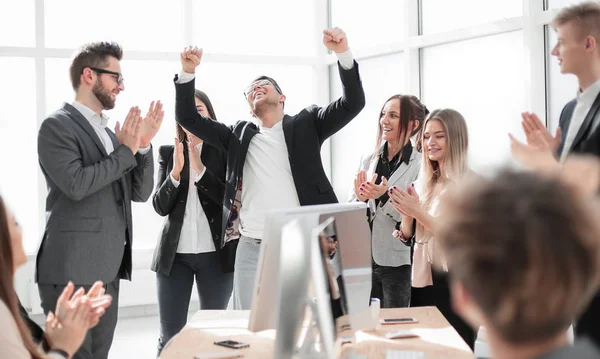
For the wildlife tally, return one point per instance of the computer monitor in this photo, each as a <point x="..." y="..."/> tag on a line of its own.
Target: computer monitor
<point x="304" y="294"/>
<point x="353" y="235"/>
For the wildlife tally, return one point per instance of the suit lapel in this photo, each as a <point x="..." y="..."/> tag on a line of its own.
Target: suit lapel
<point x="288" y="132"/>
<point x="85" y="124"/>
<point x="587" y="122"/>
<point x="400" y="171"/>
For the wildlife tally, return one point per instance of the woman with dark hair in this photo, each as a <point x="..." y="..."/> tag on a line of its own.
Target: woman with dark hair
<point x="394" y="162"/>
<point x="65" y="329"/>
<point x="189" y="192"/>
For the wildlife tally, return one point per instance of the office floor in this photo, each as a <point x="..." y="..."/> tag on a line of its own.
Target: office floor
<point x="136" y="337"/>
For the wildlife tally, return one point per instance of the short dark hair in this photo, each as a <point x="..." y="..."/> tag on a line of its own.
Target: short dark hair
<point x="94" y="54"/>
<point x="202" y="96"/>
<point x="526" y="248"/>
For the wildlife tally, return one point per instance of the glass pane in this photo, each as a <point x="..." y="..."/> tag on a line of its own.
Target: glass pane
<point x="18" y="143"/>
<point x="557" y="4"/>
<point x="465" y="13"/>
<point x="151" y="25"/>
<point x="459" y="76"/>
<point x="381" y="77"/>
<point x="370" y="23"/>
<point x="263" y="27"/>
<point x="17" y="23"/>
<point x="562" y="88"/>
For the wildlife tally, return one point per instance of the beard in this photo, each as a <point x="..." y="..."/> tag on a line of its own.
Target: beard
<point x="262" y="106"/>
<point x="103" y="95"/>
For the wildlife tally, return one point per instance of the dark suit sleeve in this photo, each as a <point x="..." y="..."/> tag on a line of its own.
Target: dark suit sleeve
<point x="60" y="158"/>
<point x="212" y="132"/>
<point x="165" y="196"/>
<point x="143" y="177"/>
<point x="212" y="186"/>
<point x="339" y="113"/>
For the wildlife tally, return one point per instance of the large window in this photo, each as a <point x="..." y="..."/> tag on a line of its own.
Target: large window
<point x="266" y="27"/>
<point x="150" y="25"/>
<point x="381" y="77"/>
<point x="371" y="23"/>
<point x="440" y="15"/>
<point x="558" y="4"/>
<point x="483" y="80"/>
<point x="18" y="144"/>
<point x="17" y="23"/>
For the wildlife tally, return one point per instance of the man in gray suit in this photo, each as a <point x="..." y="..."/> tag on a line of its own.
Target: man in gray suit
<point x="92" y="175"/>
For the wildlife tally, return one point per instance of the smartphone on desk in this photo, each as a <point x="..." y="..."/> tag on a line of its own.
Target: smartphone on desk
<point x="398" y="320"/>
<point x="232" y="344"/>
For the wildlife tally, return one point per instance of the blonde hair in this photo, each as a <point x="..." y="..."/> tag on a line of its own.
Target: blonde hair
<point x="585" y="16"/>
<point x="455" y="160"/>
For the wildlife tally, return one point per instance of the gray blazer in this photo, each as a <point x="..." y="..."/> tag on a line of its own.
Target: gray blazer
<point x="387" y="250"/>
<point x="88" y="230"/>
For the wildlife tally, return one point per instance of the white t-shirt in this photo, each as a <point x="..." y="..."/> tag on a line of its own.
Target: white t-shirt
<point x="267" y="181"/>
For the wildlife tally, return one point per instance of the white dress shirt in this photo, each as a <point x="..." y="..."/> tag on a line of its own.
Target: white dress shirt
<point x="195" y="236"/>
<point x="585" y="100"/>
<point x="99" y="125"/>
<point x="268" y="182"/>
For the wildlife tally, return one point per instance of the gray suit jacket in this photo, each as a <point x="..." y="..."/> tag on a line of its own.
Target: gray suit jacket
<point x="387" y="250"/>
<point x="88" y="230"/>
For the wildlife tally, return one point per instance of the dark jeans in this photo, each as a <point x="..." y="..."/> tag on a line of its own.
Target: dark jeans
<point x="175" y="290"/>
<point x="98" y="340"/>
<point x="391" y="285"/>
<point x="439" y="295"/>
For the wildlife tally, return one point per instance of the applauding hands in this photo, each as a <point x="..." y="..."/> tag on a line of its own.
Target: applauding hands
<point x="137" y="131"/>
<point x="75" y="313"/>
<point x="365" y="190"/>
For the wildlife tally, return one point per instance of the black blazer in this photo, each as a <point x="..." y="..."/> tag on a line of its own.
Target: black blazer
<point x="587" y="141"/>
<point x="170" y="201"/>
<point x="304" y="134"/>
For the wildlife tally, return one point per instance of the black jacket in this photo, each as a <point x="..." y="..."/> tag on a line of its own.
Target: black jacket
<point x="304" y="134"/>
<point x="170" y="201"/>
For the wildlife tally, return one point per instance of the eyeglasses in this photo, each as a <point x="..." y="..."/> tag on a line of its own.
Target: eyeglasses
<point x="250" y="89"/>
<point x="120" y="78"/>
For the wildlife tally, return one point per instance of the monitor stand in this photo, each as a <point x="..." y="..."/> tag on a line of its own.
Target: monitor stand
<point x="310" y="345"/>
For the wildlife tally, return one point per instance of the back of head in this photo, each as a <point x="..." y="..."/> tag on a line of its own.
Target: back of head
<point x="585" y="16"/>
<point x="526" y="248"/>
<point x="95" y="55"/>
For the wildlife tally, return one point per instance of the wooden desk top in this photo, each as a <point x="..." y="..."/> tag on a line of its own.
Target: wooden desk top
<point x="437" y="339"/>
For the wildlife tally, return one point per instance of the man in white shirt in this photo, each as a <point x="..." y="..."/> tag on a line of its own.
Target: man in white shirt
<point x="578" y="53"/>
<point x="92" y="175"/>
<point x="278" y="157"/>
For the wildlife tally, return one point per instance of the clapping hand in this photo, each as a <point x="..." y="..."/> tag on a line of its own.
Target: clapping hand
<point x="406" y="202"/>
<point x="151" y="123"/>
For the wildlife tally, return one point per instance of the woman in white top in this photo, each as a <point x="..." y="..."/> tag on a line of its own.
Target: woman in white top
<point x="65" y="331"/>
<point x="445" y="144"/>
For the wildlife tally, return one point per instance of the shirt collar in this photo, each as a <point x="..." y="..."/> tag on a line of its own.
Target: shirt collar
<point x="90" y="115"/>
<point x="406" y="153"/>
<point x="590" y="94"/>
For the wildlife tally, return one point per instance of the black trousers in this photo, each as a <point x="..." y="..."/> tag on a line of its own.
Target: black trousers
<point x="439" y="295"/>
<point x="175" y="290"/>
<point x="391" y="285"/>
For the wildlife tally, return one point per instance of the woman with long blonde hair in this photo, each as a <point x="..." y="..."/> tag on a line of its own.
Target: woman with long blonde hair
<point x="445" y="144"/>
